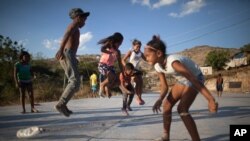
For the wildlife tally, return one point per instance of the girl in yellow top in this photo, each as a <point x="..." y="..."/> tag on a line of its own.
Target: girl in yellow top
<point x="93" y="84"/>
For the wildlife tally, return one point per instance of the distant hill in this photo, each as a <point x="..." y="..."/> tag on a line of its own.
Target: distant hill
<point x="199" y="53"/>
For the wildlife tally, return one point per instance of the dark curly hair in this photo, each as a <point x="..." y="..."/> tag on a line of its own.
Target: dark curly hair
<point x="158" y="44"/>
<point x="24" y="53"/>
<point x="111" y="40"/>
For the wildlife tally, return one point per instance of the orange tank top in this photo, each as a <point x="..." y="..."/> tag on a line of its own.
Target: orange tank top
<point x="109" y="59"/>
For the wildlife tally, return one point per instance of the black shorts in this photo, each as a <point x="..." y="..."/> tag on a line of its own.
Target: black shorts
<point x="26" y="85"/>
<point x="219" y="87"/>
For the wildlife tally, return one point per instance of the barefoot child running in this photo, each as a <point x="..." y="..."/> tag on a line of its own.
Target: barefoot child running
<point x="126" y="87"/>
<point x="135" y="55"/>
<point x="189" y="84"/>
<point x="110" y="54"/>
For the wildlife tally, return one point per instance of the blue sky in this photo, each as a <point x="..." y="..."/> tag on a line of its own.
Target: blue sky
<point x="40" y="24"/>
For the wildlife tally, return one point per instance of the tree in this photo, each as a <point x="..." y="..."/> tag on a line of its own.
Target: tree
<point x="245" y="48"/>
<point x="217" y="59"/>
<point x="9" y="51"/>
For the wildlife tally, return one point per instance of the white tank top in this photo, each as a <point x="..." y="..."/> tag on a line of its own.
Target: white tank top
<point x="135" y="58"/>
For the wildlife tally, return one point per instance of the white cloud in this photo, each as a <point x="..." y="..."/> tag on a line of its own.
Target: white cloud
<point x="84" y="38"/>
<point x="142" y="2"/>
<point x="51" y="44"/>
<point x="189" y="8"/>
<point x="161" y="3"/>
<point x="158" y="4"/>
<point x="54" y="44"/>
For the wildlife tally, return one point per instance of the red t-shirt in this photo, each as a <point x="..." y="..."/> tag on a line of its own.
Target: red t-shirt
<point x="126" y="79"/>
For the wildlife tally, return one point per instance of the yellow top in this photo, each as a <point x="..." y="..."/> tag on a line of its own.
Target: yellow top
<point x="93" y="79"/>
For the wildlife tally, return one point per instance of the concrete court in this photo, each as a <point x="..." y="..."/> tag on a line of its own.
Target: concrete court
<point x="100" y="119"/>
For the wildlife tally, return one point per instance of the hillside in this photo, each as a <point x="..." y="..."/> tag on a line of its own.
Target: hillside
<point x="199" y="53"/>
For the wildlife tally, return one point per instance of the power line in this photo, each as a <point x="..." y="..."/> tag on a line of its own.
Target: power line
<point x="209" y="24"/>
<point x="211" y="32"/>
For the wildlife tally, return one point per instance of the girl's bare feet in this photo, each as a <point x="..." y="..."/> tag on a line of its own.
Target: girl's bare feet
<point x="163" y="138"/>
<point x="102" y="91"/>
<point x="107" y="92"/>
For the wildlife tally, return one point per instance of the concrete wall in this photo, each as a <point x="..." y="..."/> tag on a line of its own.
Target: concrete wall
<point x="241" y="76"/>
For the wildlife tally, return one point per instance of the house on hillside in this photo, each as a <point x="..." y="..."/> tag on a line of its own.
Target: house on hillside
<point x="237" y="60"/>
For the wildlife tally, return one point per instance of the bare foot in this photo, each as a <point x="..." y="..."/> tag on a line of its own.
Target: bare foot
<point x="107" y="91"/>
<point x="34" y="110"/>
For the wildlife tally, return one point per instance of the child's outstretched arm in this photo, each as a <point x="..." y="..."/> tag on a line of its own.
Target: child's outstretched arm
<point x="183" y="70"/>
<point x="15" y="76"/>
<point x="164" y="90"/>
<point x="124" y="59"/>
<point x="119" y="59"/>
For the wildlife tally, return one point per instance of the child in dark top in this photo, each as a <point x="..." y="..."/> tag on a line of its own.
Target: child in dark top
<point x="219" y="85"/>
<point x="126" y="87"/>
<point x="23" y="78"/>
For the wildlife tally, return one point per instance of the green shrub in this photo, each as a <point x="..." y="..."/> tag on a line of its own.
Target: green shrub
<point x="217" y="59"/>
